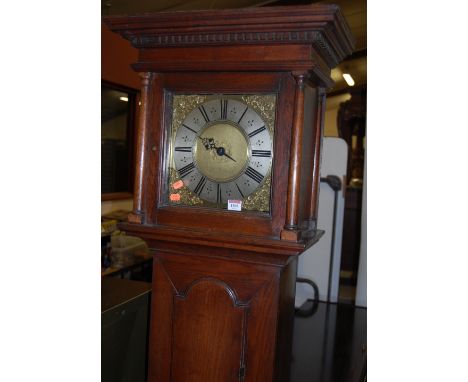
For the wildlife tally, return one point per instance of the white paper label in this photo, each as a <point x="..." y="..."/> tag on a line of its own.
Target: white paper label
<point x="234" y="205"/>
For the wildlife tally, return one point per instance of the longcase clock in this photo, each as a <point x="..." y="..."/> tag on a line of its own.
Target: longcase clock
<point x="226" y="186"/>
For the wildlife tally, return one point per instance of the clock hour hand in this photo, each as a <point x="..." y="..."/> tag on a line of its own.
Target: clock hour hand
<point x="209" y="143"/>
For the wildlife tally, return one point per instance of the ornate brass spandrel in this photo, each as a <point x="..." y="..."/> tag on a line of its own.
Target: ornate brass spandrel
<point x="260" y="199"/>
<point x="187" y="197"/>
<point x="182" y="105"/>
<point x="265" y="105"/>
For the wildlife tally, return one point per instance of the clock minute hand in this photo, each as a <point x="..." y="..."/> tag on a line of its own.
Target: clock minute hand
<point x="221" y="151"/>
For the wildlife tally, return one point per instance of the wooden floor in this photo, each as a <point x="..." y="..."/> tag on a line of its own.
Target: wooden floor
<point x="330" y="345"/>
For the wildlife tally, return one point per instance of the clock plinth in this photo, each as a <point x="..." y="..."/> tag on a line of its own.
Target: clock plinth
<point x="232" y="108"/>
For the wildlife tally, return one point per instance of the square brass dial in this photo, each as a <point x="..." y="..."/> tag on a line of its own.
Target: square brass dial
<point x="221" y="149"/>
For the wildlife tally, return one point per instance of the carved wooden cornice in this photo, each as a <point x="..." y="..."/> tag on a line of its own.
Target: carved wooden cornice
<point x="321" y="26"/>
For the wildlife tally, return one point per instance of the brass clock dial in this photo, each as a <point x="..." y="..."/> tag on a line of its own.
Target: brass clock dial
<point x="222" y="150"/>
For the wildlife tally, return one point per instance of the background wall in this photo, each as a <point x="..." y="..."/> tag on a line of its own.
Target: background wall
<point x="116" y="57"/>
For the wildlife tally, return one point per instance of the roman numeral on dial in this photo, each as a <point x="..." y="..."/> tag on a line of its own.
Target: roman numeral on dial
<point x="218" y="193"/>
<point x="261" y="153"/>
<point x="201" y="184"/>
<point x="204" y="114"/>
<point x="240" y="191"/>
<point x="242" y="116"/>
<point x="183" y="149"/>
<point x="255" y="132"/>
<point x="189" y="128"/>
<point x="254" y="174"/>
<point x="184" y="171"/>
<point x="224" y="103"/>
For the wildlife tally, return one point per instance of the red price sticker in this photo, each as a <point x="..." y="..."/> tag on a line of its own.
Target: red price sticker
<point x="234" y="205"/>
<point x="177" y="185"/>
<point x="174" y="197"/>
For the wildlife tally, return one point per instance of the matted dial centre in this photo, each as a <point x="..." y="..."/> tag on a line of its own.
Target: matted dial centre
<point x="221" y="152"/>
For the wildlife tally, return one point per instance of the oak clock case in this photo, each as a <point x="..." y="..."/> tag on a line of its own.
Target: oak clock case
<point x="221" y="149"/>
<point x="223" y="281"/>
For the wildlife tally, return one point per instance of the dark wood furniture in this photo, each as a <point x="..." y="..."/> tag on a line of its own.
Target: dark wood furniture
<point x="223" y="281"/>
<point x="124" y="329"/>
<point x="117" y="155"/>
<point x="351" y="121"/>
<point x="352" y="128"/>
<point x="351" y="242"/>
